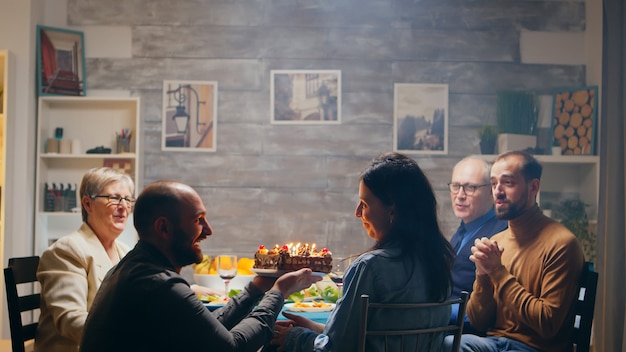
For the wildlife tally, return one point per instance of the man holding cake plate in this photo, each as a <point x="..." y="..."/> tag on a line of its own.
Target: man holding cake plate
<point x="144" y="304"/>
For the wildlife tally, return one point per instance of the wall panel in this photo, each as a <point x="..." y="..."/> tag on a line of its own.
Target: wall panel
<point x="270" y="184"/>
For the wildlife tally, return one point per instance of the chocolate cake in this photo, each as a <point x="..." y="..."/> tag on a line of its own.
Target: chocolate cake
<point x="290" y="258"/>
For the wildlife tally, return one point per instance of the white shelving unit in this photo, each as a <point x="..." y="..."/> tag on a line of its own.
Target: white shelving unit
<point x="93" y="122"/>
<point x="569" y="175"/>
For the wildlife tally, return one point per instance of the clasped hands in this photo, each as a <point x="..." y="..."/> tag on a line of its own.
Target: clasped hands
<point x="487" y="255"/>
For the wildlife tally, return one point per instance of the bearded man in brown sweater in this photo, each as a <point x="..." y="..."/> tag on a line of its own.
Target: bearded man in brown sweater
<point x="527" y="275"/>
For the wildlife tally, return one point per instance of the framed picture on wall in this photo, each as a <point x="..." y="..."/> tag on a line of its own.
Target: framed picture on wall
<point x="420" y="118"/>
<point x="60" y="62"/>
<point x="305" y="96"/>
<point x="189" y="116"/>
<point x="574" y="120"/>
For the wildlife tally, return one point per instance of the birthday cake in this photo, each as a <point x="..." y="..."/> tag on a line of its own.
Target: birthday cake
<point x="290" y="258"/>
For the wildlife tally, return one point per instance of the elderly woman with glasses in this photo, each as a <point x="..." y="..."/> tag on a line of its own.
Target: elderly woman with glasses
<point x="71" y="270"/>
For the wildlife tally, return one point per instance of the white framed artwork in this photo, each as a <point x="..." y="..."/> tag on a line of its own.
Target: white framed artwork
<point x="305" y="97"/>
<point x="189" y="116"/>
<point x="420" y="118"/>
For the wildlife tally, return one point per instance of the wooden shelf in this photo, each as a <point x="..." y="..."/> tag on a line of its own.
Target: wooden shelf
<point x="557" y="159"/>
<point x="88" y="156"/>
<point x="59" y="213"/>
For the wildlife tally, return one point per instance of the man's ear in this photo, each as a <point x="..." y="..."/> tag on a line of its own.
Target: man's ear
<point x="162" y="227"/>
<point x="534" y="186"/>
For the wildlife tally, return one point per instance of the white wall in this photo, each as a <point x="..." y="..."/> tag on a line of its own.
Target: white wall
<point x="18" y="21"/>
<point x="17" y="35"/>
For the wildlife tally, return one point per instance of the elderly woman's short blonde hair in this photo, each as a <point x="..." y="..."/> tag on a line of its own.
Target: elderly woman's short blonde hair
<point x="96" y="179"/>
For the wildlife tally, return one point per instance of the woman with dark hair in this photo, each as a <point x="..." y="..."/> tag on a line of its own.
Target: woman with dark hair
<point x="410" y="262"/>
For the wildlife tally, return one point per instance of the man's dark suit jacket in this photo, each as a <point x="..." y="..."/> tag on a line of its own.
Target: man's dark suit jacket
<point x="464" y="270"/>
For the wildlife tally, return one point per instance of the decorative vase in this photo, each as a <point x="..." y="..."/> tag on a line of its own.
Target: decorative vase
<point x="509" y="141"/>
<point x="488" y="147"/>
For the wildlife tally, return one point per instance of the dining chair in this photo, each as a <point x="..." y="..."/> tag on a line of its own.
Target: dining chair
<point x="427" y="335"/>
<point x="583" y="308"/>
<point x="21" y="270"/>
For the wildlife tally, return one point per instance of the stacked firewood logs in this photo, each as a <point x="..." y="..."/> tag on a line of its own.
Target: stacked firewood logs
<point x="573" y="121"/>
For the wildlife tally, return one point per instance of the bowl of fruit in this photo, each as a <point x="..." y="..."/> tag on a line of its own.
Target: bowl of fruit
<point x="205" y="274"/>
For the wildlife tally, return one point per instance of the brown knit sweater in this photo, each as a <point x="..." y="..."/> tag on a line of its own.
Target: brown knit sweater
<point x="530" y="298"/>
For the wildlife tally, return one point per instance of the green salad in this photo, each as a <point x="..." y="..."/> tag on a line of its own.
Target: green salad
<point x="209" y="298"/>
<point x="330" y="294"/>
<point x="296" y="296"/>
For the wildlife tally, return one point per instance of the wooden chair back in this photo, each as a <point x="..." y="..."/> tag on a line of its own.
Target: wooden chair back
<point x="21" y="271"/>
<point x="583" y="308"/>
<point x="419" y="333"/>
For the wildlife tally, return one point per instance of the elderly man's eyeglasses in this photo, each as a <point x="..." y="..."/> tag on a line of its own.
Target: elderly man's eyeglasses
<point x="117" y="200"/>
<point x="468" y="188"/>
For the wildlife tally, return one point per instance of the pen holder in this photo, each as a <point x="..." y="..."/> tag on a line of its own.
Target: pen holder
<point x="52" y="145"/>
<point x="123" y="145"/>
<point x="65" y="146"/>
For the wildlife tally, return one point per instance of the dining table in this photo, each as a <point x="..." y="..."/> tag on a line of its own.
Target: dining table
<point x="318" y="317"/>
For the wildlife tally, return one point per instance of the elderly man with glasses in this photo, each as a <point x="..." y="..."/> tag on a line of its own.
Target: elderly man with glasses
<point x="472" y="202"/>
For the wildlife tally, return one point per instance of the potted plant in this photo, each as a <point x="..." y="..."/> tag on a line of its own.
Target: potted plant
<point x="488" y="135"/>
<point x="517" y="114"/>
<point x="572" y="214"/>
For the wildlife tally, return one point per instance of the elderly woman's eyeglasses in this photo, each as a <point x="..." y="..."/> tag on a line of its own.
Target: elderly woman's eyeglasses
<point x="468" y="188"/>
<point x="117" y="200"/>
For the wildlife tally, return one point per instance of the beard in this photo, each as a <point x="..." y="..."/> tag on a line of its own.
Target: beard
<point x="185" y="253"/>
<point x="512" y="210"/>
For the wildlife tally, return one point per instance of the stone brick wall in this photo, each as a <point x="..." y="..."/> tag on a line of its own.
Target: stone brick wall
<point x="269" y="184"/>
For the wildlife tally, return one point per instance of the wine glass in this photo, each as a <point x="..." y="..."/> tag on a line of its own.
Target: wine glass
<point x="336" y="275"/>
<point x="227" y="268"/>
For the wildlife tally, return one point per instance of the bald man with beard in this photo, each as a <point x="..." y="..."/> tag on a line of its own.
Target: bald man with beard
<point x="144" y="304"/>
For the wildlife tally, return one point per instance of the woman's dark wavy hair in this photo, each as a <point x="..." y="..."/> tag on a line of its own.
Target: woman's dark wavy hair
<point x="398" y="181"/>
